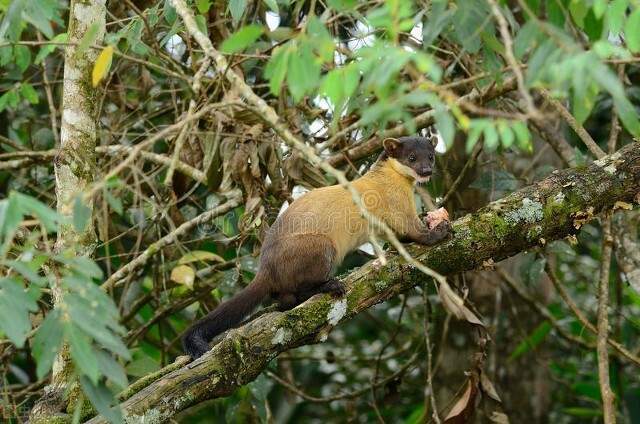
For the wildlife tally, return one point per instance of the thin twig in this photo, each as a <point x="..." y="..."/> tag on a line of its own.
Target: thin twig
<point x="603" y="323"/>
<point x="575" y="125"/>
<point x="541" y="309"/>
<point x="463" y="173"/>
<point x="195" y="87"/>
<point x="431" y="396"/>
<point x="583" y="319"/>
<point x="511" y="59"/>
<point x="233" y="200"/>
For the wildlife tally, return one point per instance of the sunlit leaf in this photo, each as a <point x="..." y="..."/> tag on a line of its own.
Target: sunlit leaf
<point x="632" y="31"/>
<point x="183" y="274"/>
<point x="241" y="39"/>
<point x="199" y="256"/>
<point x="102" y="65"/>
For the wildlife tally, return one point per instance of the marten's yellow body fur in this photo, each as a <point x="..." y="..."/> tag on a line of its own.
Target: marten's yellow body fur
<point x="311" y="238"/>
<point x="386" y="192"/>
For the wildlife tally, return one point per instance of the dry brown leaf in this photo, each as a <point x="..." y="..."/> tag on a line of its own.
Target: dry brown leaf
<point x="582" y="217"/>
<point x="488" y="388"/>
<point x="461" y="404"/>
<point x="455" y="305"/>
<point x="499" y="418"/>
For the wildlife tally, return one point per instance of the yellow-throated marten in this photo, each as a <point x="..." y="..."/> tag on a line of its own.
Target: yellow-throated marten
<point x="310" y="239"/>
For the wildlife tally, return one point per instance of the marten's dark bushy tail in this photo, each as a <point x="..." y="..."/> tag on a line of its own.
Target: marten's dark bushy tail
<point x="227" y="315"/>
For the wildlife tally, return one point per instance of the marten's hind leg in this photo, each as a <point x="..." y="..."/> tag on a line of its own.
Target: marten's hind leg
<point x="333" y="286"/>
<point x="301" y="266"/>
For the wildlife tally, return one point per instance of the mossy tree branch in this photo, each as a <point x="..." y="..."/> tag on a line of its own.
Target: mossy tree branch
<point x="548" y="210"/>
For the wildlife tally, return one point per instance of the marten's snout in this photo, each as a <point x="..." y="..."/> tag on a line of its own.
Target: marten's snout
<point x="424" y="171"/>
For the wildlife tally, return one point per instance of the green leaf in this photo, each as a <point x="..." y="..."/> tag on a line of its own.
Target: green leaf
<point x="470" y="16"/>
<point x="242" y="39"/>
<point x="15" y="304"/>
<point x="114" y="202"/>
<point x="39" y="17"/>
<point x="169" y="12"/>
<point x="23" y="57"/>
<point x="615" y="15"/>
<point x="584" y="99"/>
<point x="47" y="49"/>
<point x="506" y="134"/>
<point x="578" y="10"/>
<point x="102" y="399"/>
<point x="237" y="8"/>
<point x="527" y="37"/>
<point x="276" y="69"/>
<point x="475" y="130"/>
<point x="88" y="39"/>
<point x="609" y="81"/>
<point x="203" y="6"/>
<point x="579" y="411"/>
<point x="599" y="7"/>
<point x="533" y="340"/>
<point x="303" y="74"/>
<point x="439" y="18"/>
<point x="82" y="265"/>
<point x="201" y="22"/>
<point x="81" y="214"/>
<point x="83" y="355"/>
<point x="11" y="25"/>
<point x="47" y="341"/>
<point x="29" y="271"/>
<point x="632" y="31"/>
<point x="88" y="316"/>
<point x="112" y="369"/>
<point x="28" y="92"/>
<point x="272" y="4"/>
<point x="523" y="136"/>
<point x="10" y="216"/>
<point x="32" y="206"/>
<point x="10" y="98"/>
<point x="343" y="5"/>
<point x="490" y="137"/>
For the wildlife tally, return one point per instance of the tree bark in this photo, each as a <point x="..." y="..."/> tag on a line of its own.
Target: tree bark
<point x="74" y="167"/>
<point x="548" y="210"/>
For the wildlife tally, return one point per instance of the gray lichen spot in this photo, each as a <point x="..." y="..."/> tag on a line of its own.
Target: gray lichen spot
<point x="529" y="212"/>
<point x="534" y="232"/>
<point x="559" y="198"/>
<point x="151" y="416"/>
<point x="282" y="336"/>
<point x="380" y="285"/>
<point x="337" y="312"/>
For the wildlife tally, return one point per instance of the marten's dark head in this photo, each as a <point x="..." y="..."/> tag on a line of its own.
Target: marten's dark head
<point x="411" y="156"/>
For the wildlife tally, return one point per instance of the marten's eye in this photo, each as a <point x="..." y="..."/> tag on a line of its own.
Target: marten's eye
<point x="412" y="158"/>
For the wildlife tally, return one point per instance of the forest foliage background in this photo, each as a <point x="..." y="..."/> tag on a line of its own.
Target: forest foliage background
<point x="138" y="177"/>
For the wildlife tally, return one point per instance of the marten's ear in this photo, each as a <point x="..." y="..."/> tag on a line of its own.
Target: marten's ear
<point x="391" y="146"/>
<point x="433" y="139"/>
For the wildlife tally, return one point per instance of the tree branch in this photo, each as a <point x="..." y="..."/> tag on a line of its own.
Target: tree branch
<point x="548" y="210"/>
